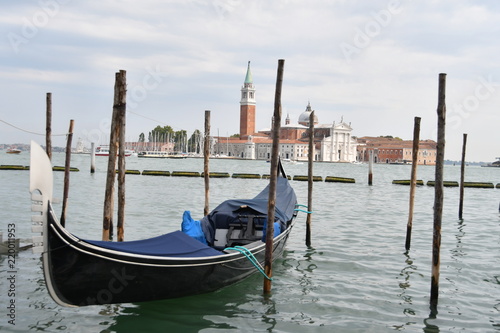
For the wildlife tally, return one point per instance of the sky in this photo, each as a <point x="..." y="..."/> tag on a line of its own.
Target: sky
<point x="374" y="64"/>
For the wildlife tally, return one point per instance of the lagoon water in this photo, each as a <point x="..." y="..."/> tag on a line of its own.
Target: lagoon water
<point x="356" y="276"/>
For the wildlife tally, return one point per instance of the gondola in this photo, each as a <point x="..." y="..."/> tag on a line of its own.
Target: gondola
<point x="81" y="272"/>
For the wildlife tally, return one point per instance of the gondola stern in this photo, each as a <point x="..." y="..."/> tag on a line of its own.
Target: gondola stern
<point x="41" y="189"/>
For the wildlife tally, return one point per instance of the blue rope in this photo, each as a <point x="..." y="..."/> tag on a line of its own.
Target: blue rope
<point x="251" y="257"/>
<point x="303" y="211"/>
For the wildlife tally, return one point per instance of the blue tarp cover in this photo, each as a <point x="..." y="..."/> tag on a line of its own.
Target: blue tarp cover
<point x="227" y="212"/>
<point x="285" y="202"/>
<point x="174" y="244"/>
<point x="192" y="227"/>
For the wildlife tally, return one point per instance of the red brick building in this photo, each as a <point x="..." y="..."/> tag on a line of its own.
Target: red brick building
<point x="394" y="150"/>
<point x="247" y="107"/>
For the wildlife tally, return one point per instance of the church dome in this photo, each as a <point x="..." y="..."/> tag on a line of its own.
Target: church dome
<point x="304" y="116"/>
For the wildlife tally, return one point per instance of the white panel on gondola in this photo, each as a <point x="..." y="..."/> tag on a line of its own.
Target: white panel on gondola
<point x="37" y="240"/>
<point x="37" y="218"/>
<point x="36" y="197"/>
<point x="37" y="228"/>
<point x="37" y="249"/>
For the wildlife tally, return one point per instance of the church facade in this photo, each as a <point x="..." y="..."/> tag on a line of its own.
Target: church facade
<point x="339" y="146"/>
<point x="332" y="142"/>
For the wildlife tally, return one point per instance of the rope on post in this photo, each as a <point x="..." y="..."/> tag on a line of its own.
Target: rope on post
<point x="302" y="210"/>
<point x="249" y="255"/>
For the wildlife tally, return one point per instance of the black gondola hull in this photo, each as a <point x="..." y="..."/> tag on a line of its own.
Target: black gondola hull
<point x="81" y="274"/>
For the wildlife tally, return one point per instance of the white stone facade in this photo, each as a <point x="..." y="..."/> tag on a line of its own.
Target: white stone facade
<point x="339" y="146"/>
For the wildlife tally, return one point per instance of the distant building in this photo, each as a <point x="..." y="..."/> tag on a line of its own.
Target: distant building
<point x="151" y="146"/>
<point x="390" y="150"/>
<point x="247" y="106"/>
<point x="339" y="146"/>
<point x="333" y="142"/>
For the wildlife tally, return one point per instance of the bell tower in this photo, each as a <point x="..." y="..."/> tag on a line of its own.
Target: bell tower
<point x="247" y="106"/>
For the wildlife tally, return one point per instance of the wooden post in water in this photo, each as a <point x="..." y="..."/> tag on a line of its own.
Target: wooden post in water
<point x="206" y="157"/>
<point x="370" y="167"/>
<point x="67" y="166"/>
<point x="462" y="178"/>
<point x="48" y="126"/>
<point x="121" y="118"/>
<point x="92" y="157"/>
<point x="413" y="182"/>
<point x="273" y="179"/>
<point x="107" y="223"/>
<point x="438" y="192"/>
<point x="310" y="178"/>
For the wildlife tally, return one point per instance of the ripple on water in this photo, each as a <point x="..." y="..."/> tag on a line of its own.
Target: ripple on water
<point x="356" y="277"/>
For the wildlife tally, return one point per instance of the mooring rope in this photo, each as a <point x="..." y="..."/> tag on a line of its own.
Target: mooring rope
<point x="31" y="132"/>
<point x="301" y="210"/>
<point x="251" y="257"/>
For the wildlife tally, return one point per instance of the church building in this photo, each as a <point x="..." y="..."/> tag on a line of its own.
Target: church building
<point x="333" y="142"/>
<point x="339" y="145"/>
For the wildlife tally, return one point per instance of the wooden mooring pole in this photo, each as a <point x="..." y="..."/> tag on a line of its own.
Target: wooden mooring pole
<point x="121" y="118"/>
<point x="370" y="167"/>
<point x="438" y="193"/>
<point x="67" y="166"/>
<point x="310" y="178"/>
<point x="462" y="178"/>
<point x="48" y="126"/>
<point x="413" y="181"/>
<point x="92" y="157"/>
<point x="206" y="158"/>
<point x="107" y="224"/>
<point x="273" y="179"/>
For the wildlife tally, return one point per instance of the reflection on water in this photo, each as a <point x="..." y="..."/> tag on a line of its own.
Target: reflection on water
<point x="458" y="252"/>
<point x="430" y="327"/>
<point x="405" y="284"/>
<point x="305" y="267"/>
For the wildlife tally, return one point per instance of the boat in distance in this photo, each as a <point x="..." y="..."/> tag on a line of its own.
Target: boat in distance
<point x="495" y="164"/>
<point x="104" y="151"/>
<point x="223" y="248"/>
<point x="159" y="154"/>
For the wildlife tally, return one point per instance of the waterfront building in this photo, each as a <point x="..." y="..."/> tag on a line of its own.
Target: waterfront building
<point x="394" y="150"/>
<point x="260" y="148"/>
<point x="332" y="142"/>
<point x="339" y="145"/>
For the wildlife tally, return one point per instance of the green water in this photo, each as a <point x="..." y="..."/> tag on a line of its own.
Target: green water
<point x="356" y="277"/>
